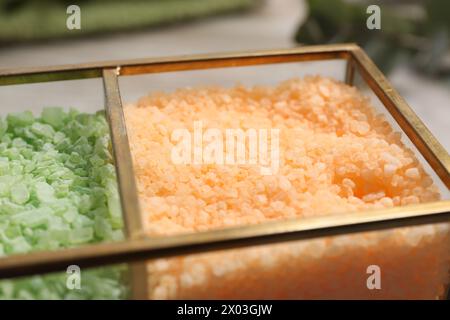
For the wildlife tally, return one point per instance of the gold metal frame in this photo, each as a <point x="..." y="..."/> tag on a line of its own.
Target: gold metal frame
<point x="137" y="247"/>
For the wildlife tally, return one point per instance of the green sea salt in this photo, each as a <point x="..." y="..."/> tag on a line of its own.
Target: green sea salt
<point x="58" y="189"/>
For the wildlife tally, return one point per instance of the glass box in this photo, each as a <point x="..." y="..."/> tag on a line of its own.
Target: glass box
<point x="319" y="257"/>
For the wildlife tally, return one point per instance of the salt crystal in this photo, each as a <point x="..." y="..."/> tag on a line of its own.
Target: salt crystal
<point x="285" y="184"/>
<point x="412" y="173"/>
<point x="389" y="169"/>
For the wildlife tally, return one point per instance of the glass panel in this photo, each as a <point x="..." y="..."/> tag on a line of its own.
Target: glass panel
<point x="233" y="146"/>
<point x="134" y="87"/>
<point x="337" y="154"/>
<point x="402" y="263"/>
<point x="58" y="185"/>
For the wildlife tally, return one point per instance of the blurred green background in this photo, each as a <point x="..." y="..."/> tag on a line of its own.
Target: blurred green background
<point x="24" y="20"/>
<point x="412" y="47"/>
<point x="415" y="30"/>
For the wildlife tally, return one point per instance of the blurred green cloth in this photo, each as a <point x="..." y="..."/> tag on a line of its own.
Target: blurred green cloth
<point x="22" y="20"/>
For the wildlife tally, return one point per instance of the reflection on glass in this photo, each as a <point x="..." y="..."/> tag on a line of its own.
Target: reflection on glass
<point x="101" y="283"/>
<point x="404" y="263"/>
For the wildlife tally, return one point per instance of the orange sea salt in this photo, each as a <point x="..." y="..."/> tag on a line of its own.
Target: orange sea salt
<point x="336" y="155"/>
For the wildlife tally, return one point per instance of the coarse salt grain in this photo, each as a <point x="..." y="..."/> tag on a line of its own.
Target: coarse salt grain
<point x="412" y="173"/>
<point x="389" y="169"/>
<point x="285" y="183"/>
